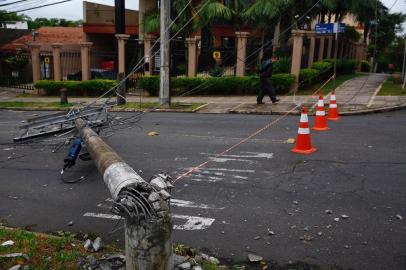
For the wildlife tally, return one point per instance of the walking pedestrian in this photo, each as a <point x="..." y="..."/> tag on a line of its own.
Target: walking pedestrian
<point x="265" y="74"/>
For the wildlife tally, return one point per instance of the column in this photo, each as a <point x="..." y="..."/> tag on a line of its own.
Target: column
<point x="241" y="52"/>
<point x="312" y="37"/>
<point x="277" y="36"/>
<point x="321" y="48"/>
<point x="192" y="56"/>
<point x="35" y="48"/>
<point x="143" y="6"/>
<point x="121" y="38"/>
<point x="141" y="13"/>
<point x="84" y="55"/>
<point x="56" y="53"/>
<point x="297" y="56"/>
<point x="148" y="41"/>
<point x="330" y="39"/>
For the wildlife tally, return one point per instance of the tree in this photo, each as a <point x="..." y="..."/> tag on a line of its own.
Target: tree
<point x="40" y="22"/>
<point x="5" y="16"/>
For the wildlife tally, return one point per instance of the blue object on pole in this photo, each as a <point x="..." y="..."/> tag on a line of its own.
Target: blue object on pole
<point x="73" y="153"/>
<point x="329" y="28"/>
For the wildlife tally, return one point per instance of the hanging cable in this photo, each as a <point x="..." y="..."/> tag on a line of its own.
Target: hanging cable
<point x="47" y="5"/>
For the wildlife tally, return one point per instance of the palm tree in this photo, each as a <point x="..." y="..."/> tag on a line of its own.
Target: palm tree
<point x="265" y="15"/>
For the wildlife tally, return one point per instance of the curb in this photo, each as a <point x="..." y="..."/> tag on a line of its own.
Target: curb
<point x="344" y="113"/>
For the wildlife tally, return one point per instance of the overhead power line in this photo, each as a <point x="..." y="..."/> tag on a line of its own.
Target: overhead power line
<point x="51" y="4"/>
<point x="7" y="4"/>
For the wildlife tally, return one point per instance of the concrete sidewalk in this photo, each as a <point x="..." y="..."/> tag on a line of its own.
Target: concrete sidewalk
<point x="358" y="95"/>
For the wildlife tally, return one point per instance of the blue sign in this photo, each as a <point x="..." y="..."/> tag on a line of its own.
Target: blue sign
<point x="329" y="28"/>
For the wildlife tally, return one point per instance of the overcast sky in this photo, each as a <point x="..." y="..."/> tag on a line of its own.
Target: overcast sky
<point x="73" y="10"/>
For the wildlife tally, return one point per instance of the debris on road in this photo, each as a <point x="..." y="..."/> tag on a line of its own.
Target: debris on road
<point x="108" y="261"/>
<point x="295" y="202"/>
<point x="254" y="258"/>
<point x="70" y="223"/>
<point x="178" y="259"/>
<point x="399" y="217"/>
<point x="270" y="232"/>
<point x="306" y="238"/>
<point x="337" y="219"/>
<point x="214" y="260"/>
<point x="344" y="216"/>
<point x="185" y="266"/>
<point x="97" y="244"/>
<point x="88" y="245"/>
<point x="7" y="243"/>
<point x="153" y="133"/>
<point x="257" y="237"/>
<point x="13" y="255"/>
<point x="328" y="211"/>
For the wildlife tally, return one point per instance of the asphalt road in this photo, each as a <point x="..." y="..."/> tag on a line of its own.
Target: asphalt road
<point x="359" y="170"/>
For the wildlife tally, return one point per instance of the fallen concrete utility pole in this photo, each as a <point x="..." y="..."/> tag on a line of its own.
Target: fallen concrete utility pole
<point x="144" y="205"/>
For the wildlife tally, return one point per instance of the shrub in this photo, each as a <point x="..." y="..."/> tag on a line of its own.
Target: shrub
<point x="149" y="84"/>
<point x="216" y="72"/>
<point x="365" y="66"/>
<point x="76" y="88"/>
<point x="345" y="66"/>
<point x="282" y="65"/>
<point x="228" y="85"/>
<point x="308" y="76"/>
<point x="322" y="66"/>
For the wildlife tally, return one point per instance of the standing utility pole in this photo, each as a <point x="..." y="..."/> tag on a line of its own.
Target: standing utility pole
<point x="404" y="65"/>
<point x="144" y="205"/>
<point x="335" y="54"/>
<point x="165" y="77"/>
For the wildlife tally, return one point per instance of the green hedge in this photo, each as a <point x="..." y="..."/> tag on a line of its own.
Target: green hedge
<point x="309" y="75"/>
<point x="344" y="66"/>
<point x="322" y="66"/>
<point x="76" y="88"/>
<point x="228" y="85"/>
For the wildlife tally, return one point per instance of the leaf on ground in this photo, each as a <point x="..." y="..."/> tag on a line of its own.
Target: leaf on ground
<point x="153" y="133"/>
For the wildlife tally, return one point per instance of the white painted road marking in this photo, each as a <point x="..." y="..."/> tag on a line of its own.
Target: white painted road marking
<point x="189" y="204"/>
<point x="192" y="223"/>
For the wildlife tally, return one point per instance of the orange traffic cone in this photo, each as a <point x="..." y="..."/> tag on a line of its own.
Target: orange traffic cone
<point x="303" y="140"/>
<point x="320" y="122"/>
<point x="333" y="109"/>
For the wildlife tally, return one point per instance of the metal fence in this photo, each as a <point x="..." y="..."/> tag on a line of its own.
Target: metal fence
<point x="70" y="65"/>
<point x="16" y="70"/>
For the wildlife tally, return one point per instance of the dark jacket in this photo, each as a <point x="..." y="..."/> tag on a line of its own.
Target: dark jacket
<point x="266" y="69"/>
